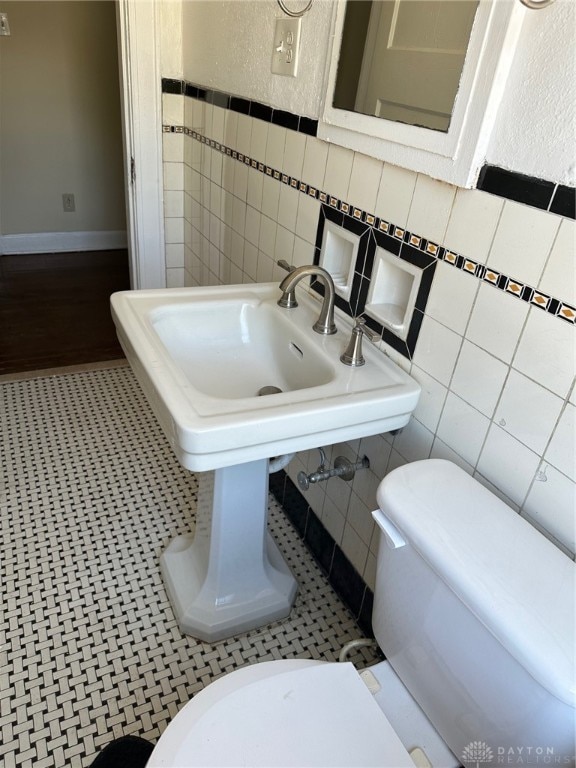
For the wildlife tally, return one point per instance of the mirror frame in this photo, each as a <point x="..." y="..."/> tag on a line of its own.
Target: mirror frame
<point x="457" y="155"/>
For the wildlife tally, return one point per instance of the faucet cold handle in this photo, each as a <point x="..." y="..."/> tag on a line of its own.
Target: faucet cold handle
<point x="353" y="355"/>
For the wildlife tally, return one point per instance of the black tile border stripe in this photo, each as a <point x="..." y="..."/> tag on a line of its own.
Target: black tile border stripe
<point x="546" y="195"/>
<point x="169" y="85"/>
<point x="256" y="109"/>
<point x="564" y="202"/>
<point x="529" y="190"/>
<point x="396" y="234"/>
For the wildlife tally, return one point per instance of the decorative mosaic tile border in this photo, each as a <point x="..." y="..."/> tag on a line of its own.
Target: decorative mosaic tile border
<point x="506" y="283"/>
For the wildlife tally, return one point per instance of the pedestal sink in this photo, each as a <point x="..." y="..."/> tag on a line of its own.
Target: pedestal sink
<point x="203" y="356"/>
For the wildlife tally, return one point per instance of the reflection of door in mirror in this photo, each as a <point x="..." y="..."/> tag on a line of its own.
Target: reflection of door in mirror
<point x="402" y="59"/>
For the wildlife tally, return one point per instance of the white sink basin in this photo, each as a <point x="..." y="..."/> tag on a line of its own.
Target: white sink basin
<point x="230" y="350"/>
<point x="203" y="354"/>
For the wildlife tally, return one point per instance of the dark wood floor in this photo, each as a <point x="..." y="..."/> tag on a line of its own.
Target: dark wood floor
<point x="55" y="308"/>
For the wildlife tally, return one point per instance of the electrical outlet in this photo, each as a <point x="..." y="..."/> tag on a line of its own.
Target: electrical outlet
<point x="286" y="47"/>
<point x="4" y="25"/>
<point x="68" y="202"/>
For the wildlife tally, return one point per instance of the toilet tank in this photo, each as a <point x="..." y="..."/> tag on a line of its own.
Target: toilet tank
<point x="475" y="610"/>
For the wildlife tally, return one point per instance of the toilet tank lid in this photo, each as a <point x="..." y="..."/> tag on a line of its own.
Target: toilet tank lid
<point x="510" y="576"/>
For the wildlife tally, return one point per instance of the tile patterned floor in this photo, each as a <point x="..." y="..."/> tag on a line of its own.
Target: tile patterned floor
<point x="90" y="493"/>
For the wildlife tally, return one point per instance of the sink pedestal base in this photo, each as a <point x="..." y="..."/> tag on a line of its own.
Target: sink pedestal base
<point x="229" y="576"/>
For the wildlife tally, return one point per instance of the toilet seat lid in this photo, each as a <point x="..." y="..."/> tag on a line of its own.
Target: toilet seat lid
<point x="282" y="713"/>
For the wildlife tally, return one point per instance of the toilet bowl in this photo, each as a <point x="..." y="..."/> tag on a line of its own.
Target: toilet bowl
<point x="475" y="612"/>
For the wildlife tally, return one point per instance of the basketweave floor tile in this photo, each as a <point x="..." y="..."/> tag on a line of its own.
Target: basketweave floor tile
<point x="89" y="647"/>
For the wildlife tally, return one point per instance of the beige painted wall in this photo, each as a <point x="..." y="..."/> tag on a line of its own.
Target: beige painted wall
<point x="60" y="129"/>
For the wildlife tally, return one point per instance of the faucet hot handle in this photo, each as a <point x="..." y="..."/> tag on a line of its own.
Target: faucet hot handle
<point x="284" y="264"/>
<point x="288" y="298"/>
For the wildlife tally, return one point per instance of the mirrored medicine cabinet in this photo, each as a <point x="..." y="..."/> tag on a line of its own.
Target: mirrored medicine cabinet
<point x="418" y="83"/>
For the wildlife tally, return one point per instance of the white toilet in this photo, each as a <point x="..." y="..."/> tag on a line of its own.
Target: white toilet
<point x="475" y="613"/>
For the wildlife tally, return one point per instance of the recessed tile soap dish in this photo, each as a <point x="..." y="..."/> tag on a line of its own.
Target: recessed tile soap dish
<point x="393" y="291"/>
<point x="338" y="256"/>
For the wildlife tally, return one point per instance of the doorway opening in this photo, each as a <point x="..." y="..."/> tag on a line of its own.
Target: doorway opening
<point x="69" y="129"/>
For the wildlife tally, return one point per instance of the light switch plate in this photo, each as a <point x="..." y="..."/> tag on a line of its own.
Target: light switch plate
<point x="285" y="52"/>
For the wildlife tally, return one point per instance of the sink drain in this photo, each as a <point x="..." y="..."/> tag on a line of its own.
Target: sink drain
<point x="269" y="390"/>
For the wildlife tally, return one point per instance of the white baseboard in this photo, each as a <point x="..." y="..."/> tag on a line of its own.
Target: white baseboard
<point x="60" y="242"/>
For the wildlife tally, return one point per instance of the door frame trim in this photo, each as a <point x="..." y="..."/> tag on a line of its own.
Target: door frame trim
<point x="138" y="25"/>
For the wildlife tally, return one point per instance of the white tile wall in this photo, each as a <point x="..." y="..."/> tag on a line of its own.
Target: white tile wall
<point x="496" y="322"/>
<point x="432" y="397"/>
<point x="550" y="505"/>
<point x="294" y="151"/>
<point x="522" y="396"/>
<point x="473" y="221"/>
<point x="258" y="140"/>
<point x="395" y="194"/>
<point x="172" y="109"/>
<point x="508" y="464"/>
<point x="275" y="146"/>
<point x="463" y="428"/>
<point x="437" y="350"/>
<point x="364" y="182"/>
<point x="523" y="241"/>
<point x="307" y="218"/>
<point x="441" y="451"/>
<point x="315" y="157"/>
<point x="173" y="147"/>
<point x="559" y="278"/>
<point x="452" y="297"/>
<point x="338" y="170"/>
<point x="496" y="375"/>
<point x="561" y="450"/>
<point x="430" y="209"/>
<point x="479" y="378"/>
<point x="546" y="352"/>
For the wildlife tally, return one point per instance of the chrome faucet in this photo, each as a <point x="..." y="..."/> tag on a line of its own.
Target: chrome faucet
<point x="325" y="323"/>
